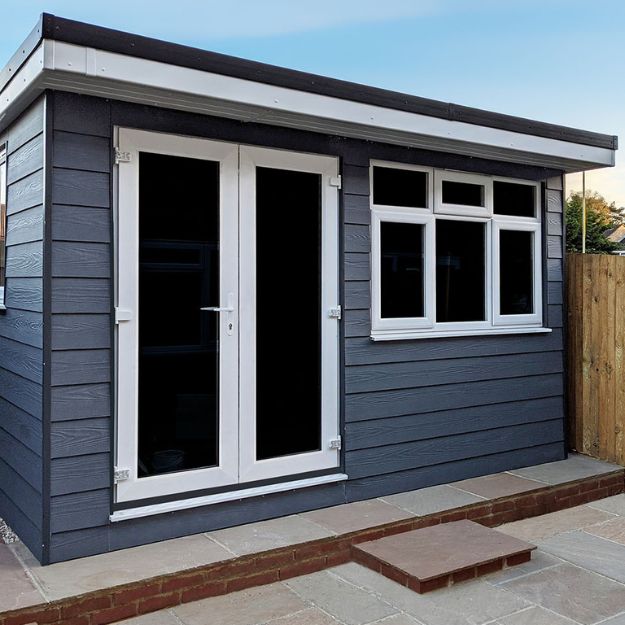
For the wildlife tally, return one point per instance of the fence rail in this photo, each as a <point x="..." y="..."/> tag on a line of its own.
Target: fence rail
<point x="596" y="344"/>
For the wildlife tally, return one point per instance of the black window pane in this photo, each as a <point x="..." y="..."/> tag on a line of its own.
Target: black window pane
<point x="463" y="193"/>
<point x="510" y="198"/>
<point x="401" y="267"/>
<point x="400" y="187"/>
<point x="516" y="272"/>
<point x="460" y="270"/>
<point x="288" y="346"/>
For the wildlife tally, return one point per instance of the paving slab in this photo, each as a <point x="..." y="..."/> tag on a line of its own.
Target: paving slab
<point x="246" y="607"/>
<point x="437" y="552"/>
<point x="16" y="588"/>
<point x="396" y="619"/>
<point x="498" y="485"/>
<point x="575" y="467"/>
<point x="615" y="504"/>
<point x="535" y="616"/>
<point x="433" y="499"/>
<point x="347" y="603"/>
<point x="590" y="552"/>
<point x="67" y="579"/>
<point x="421" y="607"/>
<point x="266" y="535"/>
<point x="540" y="560"/>
<point x="356" y="516"/>
<point x="611" y="530"/>
<point x="615" y="620"/>
<point x="573" y="592"/>
<point x="541" y="527"/>
<point x="310" y="616"/>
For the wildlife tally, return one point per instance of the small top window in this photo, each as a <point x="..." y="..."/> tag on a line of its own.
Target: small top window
<point x="463" y="193"/>
<point x="394" y="186"/>
<point x="514" y="199"/>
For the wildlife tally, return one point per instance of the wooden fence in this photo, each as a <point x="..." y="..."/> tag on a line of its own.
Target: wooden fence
<point x="596" y="367"/>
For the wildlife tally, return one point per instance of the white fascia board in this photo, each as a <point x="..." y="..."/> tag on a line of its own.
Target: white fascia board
<point x="107" y="74"/>
<point x="21" y="87"/>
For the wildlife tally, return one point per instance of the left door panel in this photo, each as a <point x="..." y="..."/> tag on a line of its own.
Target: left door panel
<point x="177" y="334"/>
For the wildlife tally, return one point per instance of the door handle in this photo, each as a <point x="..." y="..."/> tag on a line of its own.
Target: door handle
<point x="218" y="308"/>
<point x="229" y="309"/>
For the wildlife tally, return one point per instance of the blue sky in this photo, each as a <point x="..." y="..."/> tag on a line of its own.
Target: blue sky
<point x="560" y="61"/>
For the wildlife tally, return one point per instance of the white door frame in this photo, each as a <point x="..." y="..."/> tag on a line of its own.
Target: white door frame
<point x="130" y="144"/>
<point x="326" y="458"/>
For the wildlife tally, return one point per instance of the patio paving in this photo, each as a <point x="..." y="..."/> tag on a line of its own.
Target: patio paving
<point x="575" y="577"/>
<point x="25" y="583"/>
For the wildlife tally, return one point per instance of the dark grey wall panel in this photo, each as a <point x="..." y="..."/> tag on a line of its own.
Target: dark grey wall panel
<point x="26" y="465"/>
<point x="416" y="413"/>
<point x="415" y="427"/>
<point x="80" y="438"/>
<point x="24" y="260"/>
<point x="21" y="426"/>
<point x="21" y="391"/>
<point x="21" y="325"/>
<point x="425" y="453"/>
<point x="83" y="295"/>
<point x="25" y="294"/>
<point x="26" y="226"/>
<point x="381" y="404"/>
<point x="25" y="193"/>
<point x="24" y="360"/>
<point x="26" y="160"/>
<point x="26" y="498"/>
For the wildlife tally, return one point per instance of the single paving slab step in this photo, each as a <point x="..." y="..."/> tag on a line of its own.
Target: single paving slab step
<point x="437" y="556"/>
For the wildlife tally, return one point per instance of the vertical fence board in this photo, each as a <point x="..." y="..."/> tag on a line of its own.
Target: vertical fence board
<point x="596" y="355"/>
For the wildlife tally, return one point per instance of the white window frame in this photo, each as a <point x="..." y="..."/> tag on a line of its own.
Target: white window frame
<point x="427" y="326"/>
<point x="4" y="192"/>
<point x="460" y="210"/>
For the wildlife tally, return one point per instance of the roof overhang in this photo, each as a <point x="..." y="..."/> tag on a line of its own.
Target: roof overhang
<point x="53" y="64"/>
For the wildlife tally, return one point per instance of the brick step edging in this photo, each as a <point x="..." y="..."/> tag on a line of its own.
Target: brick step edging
<point x="125" y="601"/>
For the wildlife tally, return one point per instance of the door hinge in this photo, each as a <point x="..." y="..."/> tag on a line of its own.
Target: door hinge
<point x="122" y="157"/>
<point x="122" y="315"/>
<point x="335" y="313"/>
<point x="120" y="475"/>
<point x="335" y="443"/>
<point x="336" y="181"/>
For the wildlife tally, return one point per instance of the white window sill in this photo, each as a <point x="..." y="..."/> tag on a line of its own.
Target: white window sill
<point x="390" y="335"/>
<point x="196" y="502"/>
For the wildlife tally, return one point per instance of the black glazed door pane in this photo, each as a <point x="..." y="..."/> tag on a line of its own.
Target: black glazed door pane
<point x="516" y="272"/>
<point x="178" y="344"/>
<point x="288" y="312"/>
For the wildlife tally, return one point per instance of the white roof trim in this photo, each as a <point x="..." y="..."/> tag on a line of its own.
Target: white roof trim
<point x="80" y="69"/>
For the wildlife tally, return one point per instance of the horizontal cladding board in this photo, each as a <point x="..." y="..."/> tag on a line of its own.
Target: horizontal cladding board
<point x="82" y="114"/>
<point x="24" y="360"/>
<point x="24" y="293"/>
<point x="81" y="331"/>
<point x="357" y="266"/>
<point x="390" y="431"/>
<point x="84" y="366"/>
<point x="80" y="473"/>
<point x="356" y="210"/>
<point x="384" y="484"/>
<point x="74" y="259"/>
<point x="554" y="223"/>
<point x="81" y="295"/>
<point x="356" y="239"/>
<point x="555" y="316"/>
<point x="72" y="150"/>
<point x="26" y="160"/>
<point x="428" y="452"/>
<point x="80" y="510"/>
<point x="554" y="246"/>
<point x="357" y="323"/>
<point x="21" y="492"/>
<point x="22" y="426"/>
<point x="28" y="126"/>
<point x="85" y="401"/>
<point x="555" y="292"/>
<point x="554" y="201"/>
<point x="357" y="295"/>
<point x="24" y="260"/>
<point x="555" y="270"/>
<point x="81" y="223"/>
<point x="80" y="188"/>
<point x="25" y="193"/>
<point x="362" y="351"/>
<point x="21" y="463"/>
<point x="393" y="403"/>
<point x="80" y="438"/>
<point x="22" y="326"/>
<point x="21" y="392"/>
<point x="25" y="226"/>
<point x="367" y="378"/>
<point x="30" y="533"/>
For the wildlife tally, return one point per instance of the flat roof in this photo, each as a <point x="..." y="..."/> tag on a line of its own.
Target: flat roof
<point x="65" y="31"/>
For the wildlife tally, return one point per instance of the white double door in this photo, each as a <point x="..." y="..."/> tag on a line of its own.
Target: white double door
<point x="227" y="354"/>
